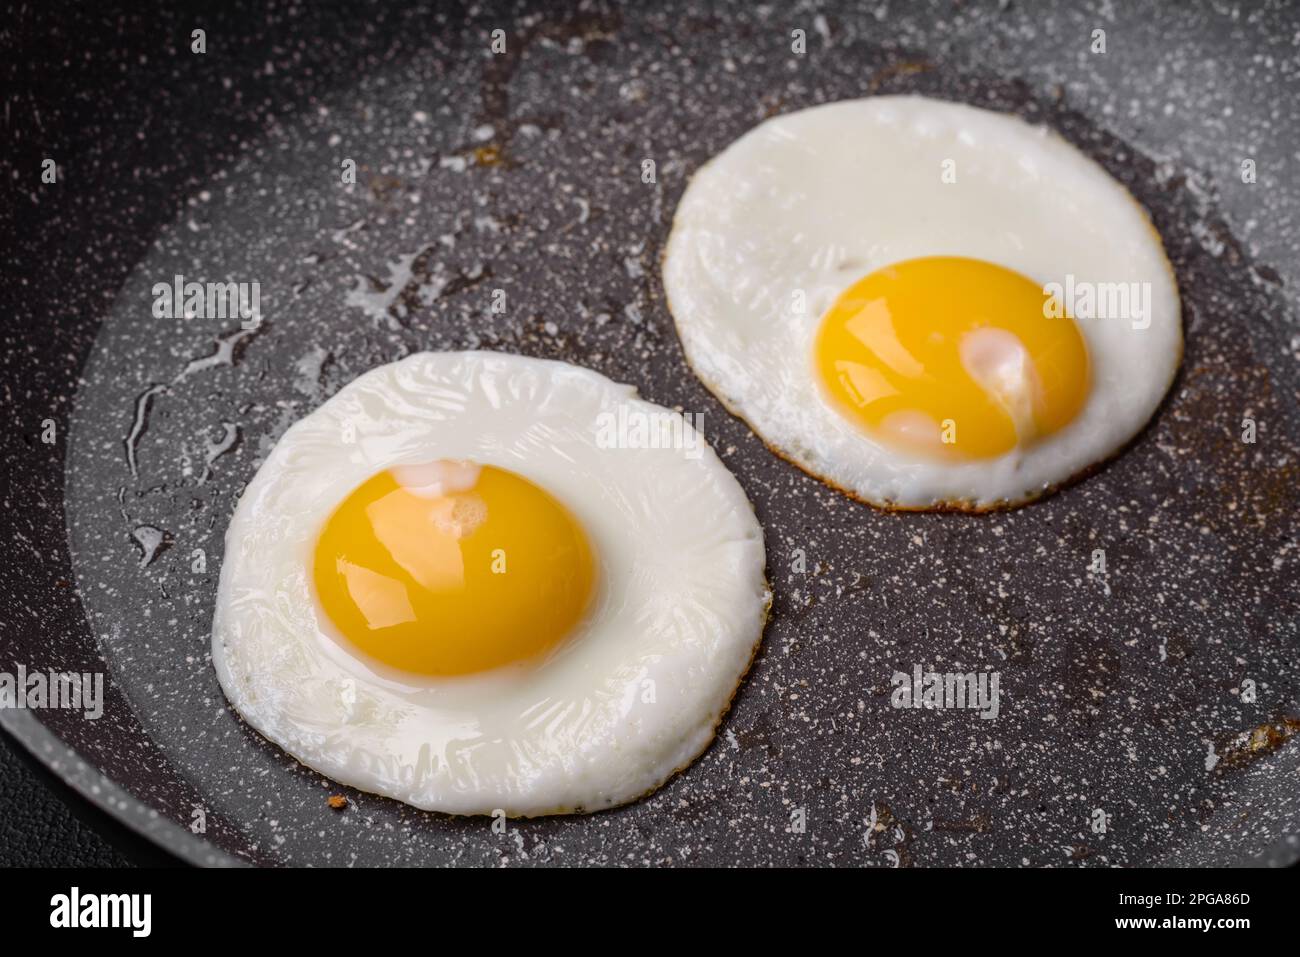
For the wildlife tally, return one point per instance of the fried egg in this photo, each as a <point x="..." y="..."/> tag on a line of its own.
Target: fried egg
<point x="924" y="304"/>
<point x="481" y="583"/>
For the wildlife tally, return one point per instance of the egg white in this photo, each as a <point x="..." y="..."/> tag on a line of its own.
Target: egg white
<point x="807" y="203"/>
<point x="636" y="695"/>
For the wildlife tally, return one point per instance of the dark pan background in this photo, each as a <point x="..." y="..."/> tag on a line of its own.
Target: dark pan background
<point x="1121" y="693"/>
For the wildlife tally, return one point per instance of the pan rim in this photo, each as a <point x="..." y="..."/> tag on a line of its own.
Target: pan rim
<point x="83" y="776"/>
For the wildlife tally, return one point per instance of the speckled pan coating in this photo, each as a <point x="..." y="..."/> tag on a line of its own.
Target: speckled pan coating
<point x="1120" y="692"/>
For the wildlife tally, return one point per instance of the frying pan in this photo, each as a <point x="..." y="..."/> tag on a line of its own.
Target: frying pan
<point x="1147" y="712"/>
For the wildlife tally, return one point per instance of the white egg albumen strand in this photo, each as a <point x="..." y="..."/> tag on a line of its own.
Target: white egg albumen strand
<point x="636" y="695"/>
<point x="814" y="200"/>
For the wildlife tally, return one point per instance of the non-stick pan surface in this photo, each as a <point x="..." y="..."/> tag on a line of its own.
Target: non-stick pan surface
<point x="1147" y="712"/>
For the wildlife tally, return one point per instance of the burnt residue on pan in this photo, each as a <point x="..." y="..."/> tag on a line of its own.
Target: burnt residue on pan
<point x="1124" y="694"/>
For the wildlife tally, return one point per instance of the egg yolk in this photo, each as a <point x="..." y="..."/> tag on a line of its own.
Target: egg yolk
<point x="451" y="568"/>
<point x="951" y="357"/>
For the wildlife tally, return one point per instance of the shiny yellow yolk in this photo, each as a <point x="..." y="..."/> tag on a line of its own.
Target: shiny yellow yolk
<point x="952" y="357"/>
<point x="451" y="568"/>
